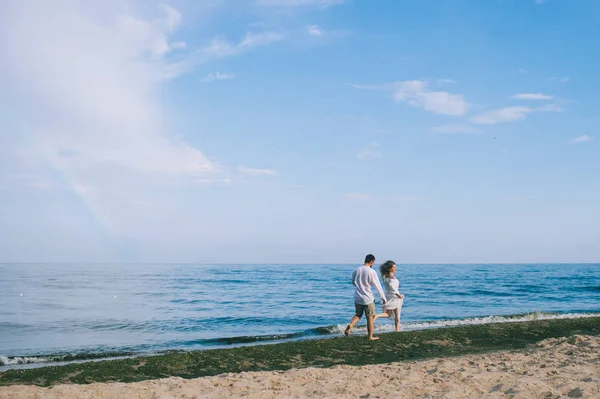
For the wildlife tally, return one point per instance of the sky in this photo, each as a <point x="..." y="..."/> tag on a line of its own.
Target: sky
<point x="299" y="131"/>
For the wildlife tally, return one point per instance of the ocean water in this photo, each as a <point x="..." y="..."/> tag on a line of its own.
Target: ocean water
<point x="57" y="313"/>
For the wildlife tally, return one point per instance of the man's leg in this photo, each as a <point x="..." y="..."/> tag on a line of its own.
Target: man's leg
<point x="370" y="328"/>
<point x="370" y="313"/>
<point x="357" y="315"/>
<point x="355" y="319"/>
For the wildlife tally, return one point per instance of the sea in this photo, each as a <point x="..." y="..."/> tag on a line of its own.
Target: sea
<point x="59" y="313"/>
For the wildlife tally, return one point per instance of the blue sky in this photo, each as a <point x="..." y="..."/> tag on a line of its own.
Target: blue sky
<point x="304" y="131"/>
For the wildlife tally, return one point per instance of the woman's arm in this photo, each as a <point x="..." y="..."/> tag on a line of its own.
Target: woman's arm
<point x="397" y="293"/>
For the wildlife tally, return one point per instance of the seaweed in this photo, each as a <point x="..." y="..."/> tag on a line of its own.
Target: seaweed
<point x="354" y="350"/>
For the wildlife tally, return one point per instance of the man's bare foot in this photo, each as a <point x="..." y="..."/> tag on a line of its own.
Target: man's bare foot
<point x="373" y="338"/>
<point x="348" y="329"/>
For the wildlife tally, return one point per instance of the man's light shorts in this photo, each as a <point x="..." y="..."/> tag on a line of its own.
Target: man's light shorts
<point x="368" y="310"/>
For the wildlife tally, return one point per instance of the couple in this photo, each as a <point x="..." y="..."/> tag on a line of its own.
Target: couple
<point x="363" y="279"/>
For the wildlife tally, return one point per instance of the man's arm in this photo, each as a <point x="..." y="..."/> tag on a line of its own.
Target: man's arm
<point x="378" y="286"/>
<point x="354" y="278"/>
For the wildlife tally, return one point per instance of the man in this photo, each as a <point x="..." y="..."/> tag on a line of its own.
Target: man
<point x="363" y="279"/>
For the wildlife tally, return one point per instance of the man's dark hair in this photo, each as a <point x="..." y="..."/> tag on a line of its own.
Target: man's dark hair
<point x="369" y="258"/>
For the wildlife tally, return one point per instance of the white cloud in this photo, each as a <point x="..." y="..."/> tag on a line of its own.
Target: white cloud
<point x="85" y="78"/>
<point x="219" y="47"/>
<point x="179" y="45"/>
<point x="84" y="85"/>
<point x="563" y="79"/>
<point x="314" y="30"/>
<point x="532" y="96"/>
<point x="582" y="139"/>
<point x="550" y="108"/>
<point x="442" y="82"/>
<point x="522" y="70"/>
<point x="252" y="40"/>
<point x="540" y="1"/>
<point x="455" y="128"/>
<point x="511" y="114"/>
<point x="370" y="151"/>
<point x="256" y="172"/>
<point x="83" y="82"/>
<point x="298" y="3"/>
<point x="218" y="76"/>
<point x="365" y="87"/>
<point x="415" y="93"/>
<point x="358" y="197"/>
<point x="508" y="114"/>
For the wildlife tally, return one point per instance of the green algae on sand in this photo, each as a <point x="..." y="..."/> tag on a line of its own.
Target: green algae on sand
<point x="353" y="350"/>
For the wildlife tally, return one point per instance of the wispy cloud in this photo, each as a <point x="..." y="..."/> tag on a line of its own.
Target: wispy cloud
<point x="563" y="79"/>
<point x="550" y="108"/>
<point x="314" y="30"/>
<point x="455" y="128"/>
<point x="511" y="114"/>
<point x="416" y="94"/>
<point x="522" y="70"/>
<point x="95" y="86"/>
<point x="358" y="197"/>
<point x="218" y="76"/>
<point x="540" y="1"/>
<point x="582" y="139"/>
<point x="256" y="172"/>
<point x="508" y="114"/>
<point x="298" y="3"/>
<point x="370" y="151"/>
<point x="443" y="82"/>
<point x="85" y="82"/>
<point x="532" y="96"/>
<point x="219" y="47"/>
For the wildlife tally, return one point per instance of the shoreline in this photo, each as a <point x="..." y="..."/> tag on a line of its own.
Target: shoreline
<point x="355" y="350"/>
<point x="29" y="361"/>
<point x="552" y="368"/>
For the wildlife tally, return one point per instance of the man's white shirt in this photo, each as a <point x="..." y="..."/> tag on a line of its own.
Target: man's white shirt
<point x="363" y="279"/>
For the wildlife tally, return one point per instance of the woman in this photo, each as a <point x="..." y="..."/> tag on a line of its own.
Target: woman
<point x="395" y="298"/>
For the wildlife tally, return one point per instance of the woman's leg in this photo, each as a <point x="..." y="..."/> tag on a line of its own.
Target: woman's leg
<point x="397" y="319"/>
<point x="387" y="313"/>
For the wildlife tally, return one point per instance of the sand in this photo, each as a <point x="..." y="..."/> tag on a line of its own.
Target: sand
<point x="554" y="368"/>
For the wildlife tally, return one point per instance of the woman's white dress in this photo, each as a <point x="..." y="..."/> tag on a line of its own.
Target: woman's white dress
<point x="391" y="289"/>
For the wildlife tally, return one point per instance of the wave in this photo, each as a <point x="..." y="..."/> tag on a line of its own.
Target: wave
<point x="407" y="326"/>
<point x="333" y="330"/>
<point x="61" y="357"/>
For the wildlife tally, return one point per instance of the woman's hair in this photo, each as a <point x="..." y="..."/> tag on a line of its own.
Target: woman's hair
<point x="386" y="267"/>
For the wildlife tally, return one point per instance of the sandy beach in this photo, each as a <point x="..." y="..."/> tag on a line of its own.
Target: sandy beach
<point x="552" y="368"/>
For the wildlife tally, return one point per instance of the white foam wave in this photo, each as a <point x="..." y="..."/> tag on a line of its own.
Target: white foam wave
<point x="389" y="326"/>
<point x="10" y="361"/>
